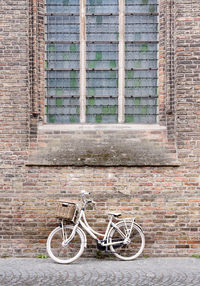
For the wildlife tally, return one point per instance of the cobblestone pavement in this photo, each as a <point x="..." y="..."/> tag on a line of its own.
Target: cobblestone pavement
<point x="141" y="272"/>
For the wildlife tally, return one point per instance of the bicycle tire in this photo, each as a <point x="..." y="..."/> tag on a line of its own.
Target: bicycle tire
<point x="69" y="253"/>
<point x="135" y="246"/>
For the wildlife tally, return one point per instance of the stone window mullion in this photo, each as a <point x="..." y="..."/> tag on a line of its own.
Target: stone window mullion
<point x="121" y="55"/>
<point x="82" y="61"/>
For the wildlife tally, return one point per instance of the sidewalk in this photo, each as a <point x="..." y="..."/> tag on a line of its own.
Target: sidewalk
<point x="140" y="272"/>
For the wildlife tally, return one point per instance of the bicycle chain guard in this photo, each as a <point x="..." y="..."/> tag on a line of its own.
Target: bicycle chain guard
<point x="101" y="247"/>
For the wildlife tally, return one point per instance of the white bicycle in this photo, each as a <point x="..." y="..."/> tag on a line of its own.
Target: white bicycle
<point x="66" y="243"/>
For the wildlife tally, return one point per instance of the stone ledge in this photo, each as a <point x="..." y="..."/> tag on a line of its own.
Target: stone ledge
<point x="102" y="145"/>
<point x="93" y="127"/>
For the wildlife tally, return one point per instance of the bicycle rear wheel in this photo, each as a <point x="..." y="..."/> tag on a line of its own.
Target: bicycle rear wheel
<point x="135" y="245"/>
<point x="69" y="253"/>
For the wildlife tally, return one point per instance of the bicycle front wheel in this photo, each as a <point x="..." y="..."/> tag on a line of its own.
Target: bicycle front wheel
<point x="135" y="245"/>
<point x="70" y="252"/>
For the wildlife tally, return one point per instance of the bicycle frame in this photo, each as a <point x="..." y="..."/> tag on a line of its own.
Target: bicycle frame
<point x="104" y="242"/>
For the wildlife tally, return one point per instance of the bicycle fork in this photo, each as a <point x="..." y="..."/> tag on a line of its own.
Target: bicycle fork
<point x="128" y="231"/>
<point x="67" y="240"/>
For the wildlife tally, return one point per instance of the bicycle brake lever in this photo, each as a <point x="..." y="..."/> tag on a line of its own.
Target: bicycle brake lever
<point x="83" y="193"/>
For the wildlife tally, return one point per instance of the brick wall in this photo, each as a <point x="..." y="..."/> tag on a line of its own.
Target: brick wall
<point x="164" y="199"/>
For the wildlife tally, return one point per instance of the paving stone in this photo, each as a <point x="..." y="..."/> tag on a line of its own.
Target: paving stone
<point x="92" y="272"/>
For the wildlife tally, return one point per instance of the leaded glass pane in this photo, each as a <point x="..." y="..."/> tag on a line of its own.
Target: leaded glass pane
<point x="141" y="89"/>
<point x="62" y="61"/>
<point x="102" y="52"/>
<point x="102" y="61"/>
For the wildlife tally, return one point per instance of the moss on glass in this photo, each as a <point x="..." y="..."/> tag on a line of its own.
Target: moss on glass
<point x="137" y="82"/>
<point x="91" y="91"/>
<point x="65" y="2"/>
<point x="113" y="64"/>
<point x="112" y="74"/>
<point x="72" y="47"/>
<point x="65" y="56"/>
<point x="72" y="119"/>
<point x="51" y="118"/>
<point x="152" y="8"/>
<point x="91" y="64"/>
<point x="59" y="102"/>
<point x="129" y="118"/>
<point x="91" y="101"/>
<point x="59" y="91"/>
<point x="137" y="101"/>
<point x="98" y="56"/>
<point x="144" y="110"/>
<point x="130" y="74"/>
<point x="98" y="118"/>
<point x="52" y="48"/>
<point x="144" y="48"/>
<point x="99" y="19"/>
<point x="72" y="74"/>
<point x="46" y="64"/>
<point x="73" y="83"/>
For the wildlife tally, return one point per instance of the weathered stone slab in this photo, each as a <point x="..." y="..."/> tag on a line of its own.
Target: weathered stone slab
<point x="111" y="145"/>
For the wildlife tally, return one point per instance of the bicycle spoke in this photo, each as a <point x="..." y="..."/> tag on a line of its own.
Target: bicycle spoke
<point x="68" y="253"/>
<point x="133" y="246"/>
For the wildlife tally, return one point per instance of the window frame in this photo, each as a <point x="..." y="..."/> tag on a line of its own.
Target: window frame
<point x="166" y="64"/>
<point x="121" y="65"/>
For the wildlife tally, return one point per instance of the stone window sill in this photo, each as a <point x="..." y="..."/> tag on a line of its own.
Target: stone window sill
<point x="102" y="145"/>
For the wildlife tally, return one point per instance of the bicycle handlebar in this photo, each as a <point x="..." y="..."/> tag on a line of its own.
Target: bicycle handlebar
<point x="83" y="194"/>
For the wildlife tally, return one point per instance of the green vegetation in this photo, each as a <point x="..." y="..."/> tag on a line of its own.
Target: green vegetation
<point x="99" y="255"/>
<point x="145" y="256"/>
<point x="196" y="255"/>
<point x="43" y="256"/>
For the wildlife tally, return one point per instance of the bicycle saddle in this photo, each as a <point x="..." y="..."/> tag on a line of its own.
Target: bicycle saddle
<point x="115" y="214"/>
